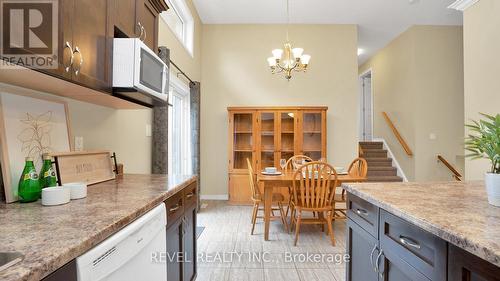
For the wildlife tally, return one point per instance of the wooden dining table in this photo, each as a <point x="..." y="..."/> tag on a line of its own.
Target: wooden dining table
<point x="269" y="182"/>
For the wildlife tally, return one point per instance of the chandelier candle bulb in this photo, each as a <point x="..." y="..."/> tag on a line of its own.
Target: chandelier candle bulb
<point x="271" y="61"/>
<point x="277" y="53"/>
<point x="305" y="59"/>
<point x="297" y="53"/>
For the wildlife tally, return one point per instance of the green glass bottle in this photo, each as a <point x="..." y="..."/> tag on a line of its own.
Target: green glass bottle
<point x="29" y="186"/>
<point x="47" y="174"/>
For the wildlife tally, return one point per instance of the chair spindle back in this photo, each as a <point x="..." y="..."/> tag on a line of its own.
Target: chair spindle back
<point x="253" y="184"/>
<point x="314" y="185"/>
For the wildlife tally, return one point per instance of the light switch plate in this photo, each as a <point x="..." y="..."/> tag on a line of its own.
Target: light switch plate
<point x="148" y="130"/>
<point x="78" y="143"/>
<point x="432" y="136"/>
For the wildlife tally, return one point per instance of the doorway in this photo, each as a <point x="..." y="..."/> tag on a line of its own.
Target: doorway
<point x="366" y="106"/>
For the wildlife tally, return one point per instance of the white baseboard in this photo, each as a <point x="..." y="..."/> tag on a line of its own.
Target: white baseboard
<point x="401" y="173"/>
<point x="221" y="197"/>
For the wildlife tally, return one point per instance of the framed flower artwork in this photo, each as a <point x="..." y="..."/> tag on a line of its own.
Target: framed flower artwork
<point x="31" y="124"/>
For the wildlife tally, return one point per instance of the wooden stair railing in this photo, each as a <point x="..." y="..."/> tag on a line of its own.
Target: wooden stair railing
<point x="454" y="171"/>
<point x="397" y="134"/>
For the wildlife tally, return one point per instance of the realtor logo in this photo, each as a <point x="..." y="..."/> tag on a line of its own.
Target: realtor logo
<point x="29" y="33"/>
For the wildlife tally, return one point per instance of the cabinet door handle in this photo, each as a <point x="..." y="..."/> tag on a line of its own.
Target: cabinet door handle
<point x="145" y="33"/>
<point x="183" y="226"/>
<point x="409" y="242"/>
<point x="377" y="264"/>
<point x="371" y="258"/>
<point x="189" y="195"/>
<point x="67" y="67"/>
<point x="141" y="30"/>
<point x="361" y="212"/>
<point x="77" y="51"/>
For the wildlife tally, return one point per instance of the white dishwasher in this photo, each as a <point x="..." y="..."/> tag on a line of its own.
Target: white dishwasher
<point x="133" y="253"/>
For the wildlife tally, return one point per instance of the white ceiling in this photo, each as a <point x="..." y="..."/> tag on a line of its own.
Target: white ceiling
<point x="379" y="21"/>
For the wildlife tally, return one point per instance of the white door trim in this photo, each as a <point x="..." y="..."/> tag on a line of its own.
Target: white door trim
<point x="360" y="81"/>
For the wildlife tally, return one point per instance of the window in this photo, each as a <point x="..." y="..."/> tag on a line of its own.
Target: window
<point x="181" y="22"/>
<point x="179" y="128"/>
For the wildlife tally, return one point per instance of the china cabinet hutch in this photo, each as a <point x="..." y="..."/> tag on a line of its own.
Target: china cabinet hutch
<point x="265" y="135"/>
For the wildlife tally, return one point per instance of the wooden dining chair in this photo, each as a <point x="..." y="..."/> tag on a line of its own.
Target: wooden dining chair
<point x="257" y="199"/>
<point x="313" y="191"/>
<point x="290" y="167"/>
<point x="357" y="168"/>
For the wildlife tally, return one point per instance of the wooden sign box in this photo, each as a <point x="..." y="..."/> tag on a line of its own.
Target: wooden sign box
<point x="89" y="167"/>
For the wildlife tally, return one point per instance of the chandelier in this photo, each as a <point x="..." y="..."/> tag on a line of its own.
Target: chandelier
<point x="288" y="59"/>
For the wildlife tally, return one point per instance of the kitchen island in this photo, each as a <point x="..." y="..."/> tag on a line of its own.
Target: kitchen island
<point x="422" y="231"/>
<point x="52" y="237"/>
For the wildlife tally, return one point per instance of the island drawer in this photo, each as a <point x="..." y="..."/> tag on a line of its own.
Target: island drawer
<point x="363" y="213"/>
<point x="175" y="207"/>
<point x="422" y="250"/>
<point x="190" y="195"/>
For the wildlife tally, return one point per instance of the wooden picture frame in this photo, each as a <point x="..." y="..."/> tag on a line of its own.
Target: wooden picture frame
<point x="31" y="123"/>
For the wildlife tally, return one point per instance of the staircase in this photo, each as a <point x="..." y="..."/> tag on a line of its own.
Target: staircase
<point x="380" y="167"/>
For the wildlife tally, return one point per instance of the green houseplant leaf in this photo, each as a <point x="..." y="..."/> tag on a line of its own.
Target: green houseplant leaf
<point x="484" y="140"/>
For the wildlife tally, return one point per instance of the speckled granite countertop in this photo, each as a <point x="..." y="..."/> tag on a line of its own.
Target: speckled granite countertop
<point x="457" y="212"/>
<point x="49" y="237"/>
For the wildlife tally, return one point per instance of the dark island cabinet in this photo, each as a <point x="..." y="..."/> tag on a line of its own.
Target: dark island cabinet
<point x="385" y="247"/>
<point x="363" y="249"/>
<point x="401" y="251"/>
<point x="181" y="235"/>
<point x="465" y="266"/>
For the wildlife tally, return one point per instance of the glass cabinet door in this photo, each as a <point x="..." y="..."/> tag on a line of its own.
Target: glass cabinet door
<point x="287" y="134"/>
<point x="312" y="134"/>
<point x="267" y="136"/>
<point x="243" y="142"/>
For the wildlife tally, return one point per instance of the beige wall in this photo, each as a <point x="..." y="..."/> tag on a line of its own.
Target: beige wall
<point x="235" y="73"/>
<point x="418" y="80"/>
<point x="121" y="131"/>
<point x="178" y="54"/>
<point x="394" y="91"/>
<point x="482" y="67"/>
<point x="124" y="131"/>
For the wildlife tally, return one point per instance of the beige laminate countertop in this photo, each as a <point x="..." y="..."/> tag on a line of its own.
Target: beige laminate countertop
<point x="49" y="237"/>
<point x="457" y="212"/>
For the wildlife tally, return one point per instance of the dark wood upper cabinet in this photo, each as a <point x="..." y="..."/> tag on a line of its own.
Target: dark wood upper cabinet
<point x="125" y="18"/>
<point x="92" y="44"/>
<point x="64" y="42"/>
<point x="86" y="29"/>
<point x="148" y="12"/>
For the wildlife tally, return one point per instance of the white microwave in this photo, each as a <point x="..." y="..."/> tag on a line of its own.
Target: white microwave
<point x="138" y="68"/>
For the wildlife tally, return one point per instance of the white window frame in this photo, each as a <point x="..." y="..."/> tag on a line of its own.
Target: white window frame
<point x="182" y="10"/>
<point x="181" y="89"/>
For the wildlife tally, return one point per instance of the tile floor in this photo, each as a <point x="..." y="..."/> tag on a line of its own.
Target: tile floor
<point x="227" y="251"/>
